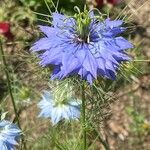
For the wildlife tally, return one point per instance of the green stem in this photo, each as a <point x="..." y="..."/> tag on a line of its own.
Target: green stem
<point x="9" y="82"/>
<point x="84" y="118"/>
<point x="103" y="142"/>
<point x="10" y="90"/>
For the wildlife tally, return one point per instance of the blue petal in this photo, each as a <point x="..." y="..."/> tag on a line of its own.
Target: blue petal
<point x="91" y="14"/>
<point x="113" y="23"/>
<point x="113" y="32"/>
<point x="41" y="44"/>
<point x="123" y="43"/>
<point x="55" y="73"/>
<point x="1" y="144"/>
<point x="58" y="20"/>
<point x="101" y="64"/>
<point x="89" y="78"/>
<point x="53" y="56"/>
<point x="49" y="31"/>
<point x="61" y="21"/>
<point x="56" y="115"/>
<point x="8" y="135"/>
<point x="81" y="54"/>
<point x="82" y="72"/>
<point x="90" y="64"/>
<point x="121" y="57"/>
<point x="109" y="65"/>
<point x="70" y="63"/>
<point x="110" y="74"/>
<point x="47" y="43"/>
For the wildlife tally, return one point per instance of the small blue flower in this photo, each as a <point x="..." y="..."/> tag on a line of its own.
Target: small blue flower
<point x="83" y="45"/>
<point x="9" y="134"/>
<point x="58" y="110"/>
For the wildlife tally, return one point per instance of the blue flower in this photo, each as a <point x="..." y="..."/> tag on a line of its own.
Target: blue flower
<point x="9" y="134"/>
<point x="83" y="45"/>
<point x="58" y="110"/>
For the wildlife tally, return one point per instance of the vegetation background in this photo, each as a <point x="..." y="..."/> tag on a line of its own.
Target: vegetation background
<point x="128" y="124"/>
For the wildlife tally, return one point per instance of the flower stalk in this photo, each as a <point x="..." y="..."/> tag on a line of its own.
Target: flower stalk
<point x="10" y="89"/>
<point x="102" y="141"/>
<point x="9" y="82"/>
<point x="83" y="116"/>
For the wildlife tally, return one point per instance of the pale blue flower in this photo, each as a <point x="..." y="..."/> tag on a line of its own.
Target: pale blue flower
<point x="50" y="108"/>
<point x="9" y="134"/>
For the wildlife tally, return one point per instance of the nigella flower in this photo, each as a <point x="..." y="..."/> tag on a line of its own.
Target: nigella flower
<point x="9" y="134"/>
<point x="83" y="45"/>
<point x="58" y="109"/>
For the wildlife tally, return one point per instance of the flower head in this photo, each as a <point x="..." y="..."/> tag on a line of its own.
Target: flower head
<point x="5" y="30"/>
<point x="9" y="134"/>
<point x="58" y="109"/>
<point x="83" y="45"/>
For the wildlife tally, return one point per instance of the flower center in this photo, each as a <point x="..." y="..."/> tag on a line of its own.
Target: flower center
<point x="61" y="98"/>
<point x="83" y="21"/>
